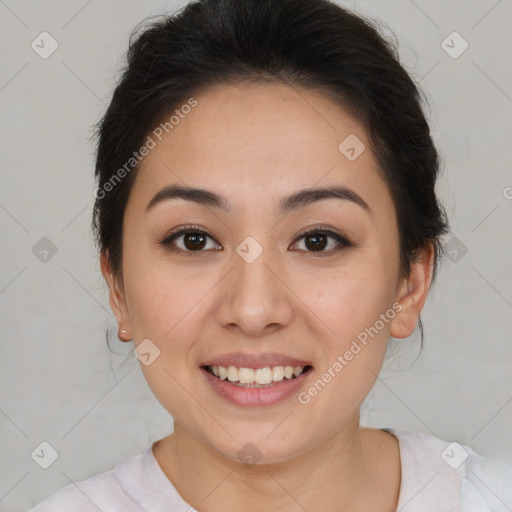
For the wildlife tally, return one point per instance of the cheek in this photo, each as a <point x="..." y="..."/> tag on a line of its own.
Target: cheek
<point x="357" y="305"/>
<point x="162" y="299"/>
<point x="354" y="299"/>
<point x="353" y="307"/>
<point x="163" y="309"/>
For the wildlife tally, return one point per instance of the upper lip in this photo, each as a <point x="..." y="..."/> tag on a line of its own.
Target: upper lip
<point x="247" y="360"/>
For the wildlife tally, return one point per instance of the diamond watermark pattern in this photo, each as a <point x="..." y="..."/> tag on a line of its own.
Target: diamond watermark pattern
<point x="44" y="455"/>
<point x="352" y="147"/>
<point x="146" y="352"/>
<point x="249" y="250"/>
<point x="454" y="45"/>
<point x="455" y="249"/>
<point x="44" y="250"/>
<point x="454" y="455"/>
<point x="249" y="454"/>
<point x="44" y="45"/>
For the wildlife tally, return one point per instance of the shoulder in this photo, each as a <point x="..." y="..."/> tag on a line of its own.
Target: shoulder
<point x="450" y="476"/>
<point x="99" y="492"/>
<point x="487" y="485"/>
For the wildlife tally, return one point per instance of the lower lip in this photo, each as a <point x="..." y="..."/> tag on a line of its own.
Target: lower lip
<point x="256" y="397"/>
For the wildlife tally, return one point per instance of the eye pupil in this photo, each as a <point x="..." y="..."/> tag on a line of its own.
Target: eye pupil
<point x="319" y="242"/>
<point x="191" y="240"/>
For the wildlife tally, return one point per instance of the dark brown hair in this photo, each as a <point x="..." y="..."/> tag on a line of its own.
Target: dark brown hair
<point x="311" y="43"/>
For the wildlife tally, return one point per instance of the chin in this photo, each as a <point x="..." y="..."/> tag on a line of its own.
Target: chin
<point x="258" y="449"/>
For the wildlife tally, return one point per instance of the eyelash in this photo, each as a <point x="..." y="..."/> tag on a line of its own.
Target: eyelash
<point x="339" y="237"/>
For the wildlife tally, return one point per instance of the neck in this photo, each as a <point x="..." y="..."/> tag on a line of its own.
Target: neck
<point x="347" y="472"/>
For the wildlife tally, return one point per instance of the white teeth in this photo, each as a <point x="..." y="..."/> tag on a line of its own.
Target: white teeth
<point x="263" y="376"/>
<point x="245" y="375"/>
<point x="232" y="374"/>
<point x="278" y="373"/>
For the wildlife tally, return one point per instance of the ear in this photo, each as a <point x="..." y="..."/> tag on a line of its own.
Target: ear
<point x="116" y="294"/>
<point x="412" y="294"/>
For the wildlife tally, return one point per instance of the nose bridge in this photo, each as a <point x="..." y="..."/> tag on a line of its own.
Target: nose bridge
<point x="252" y="264"/>
<point x="255" y="298"/>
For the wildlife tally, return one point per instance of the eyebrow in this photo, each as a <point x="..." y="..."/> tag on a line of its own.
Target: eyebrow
<point x="294" y="201"/>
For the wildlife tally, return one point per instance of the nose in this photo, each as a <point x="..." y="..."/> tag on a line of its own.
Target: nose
<point x="255" y="299"/>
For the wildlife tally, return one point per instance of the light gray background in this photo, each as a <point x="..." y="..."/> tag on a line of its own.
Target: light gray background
<point x="60" y="384"/>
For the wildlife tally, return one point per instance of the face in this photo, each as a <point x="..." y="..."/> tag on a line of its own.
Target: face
<point x="246" y="287"/>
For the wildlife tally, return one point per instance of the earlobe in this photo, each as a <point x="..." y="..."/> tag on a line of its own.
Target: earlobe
<point x="116" y="299"/>
<point x="413" y="294"/>
<point x="123" y="335"/>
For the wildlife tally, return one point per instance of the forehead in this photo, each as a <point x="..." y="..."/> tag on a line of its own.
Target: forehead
<point x="261" y="139"/>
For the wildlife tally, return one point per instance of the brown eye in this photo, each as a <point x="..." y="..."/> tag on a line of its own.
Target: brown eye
<point x="194" y="241"/>
<point x="189" y="240"/>
<point x="316" y="241"/>
<point x="319" y="240"/>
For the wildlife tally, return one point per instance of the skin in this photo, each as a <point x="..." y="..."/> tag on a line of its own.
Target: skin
<point x="255" y="144"/>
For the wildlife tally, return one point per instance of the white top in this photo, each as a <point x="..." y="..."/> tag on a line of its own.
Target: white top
<point x="437" y="476"/>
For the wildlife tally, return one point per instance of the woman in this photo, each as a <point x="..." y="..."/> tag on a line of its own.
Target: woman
<point x="266" y="220"/>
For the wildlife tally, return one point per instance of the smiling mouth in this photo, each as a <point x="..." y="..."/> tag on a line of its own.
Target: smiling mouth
<point x="257" y="377"/>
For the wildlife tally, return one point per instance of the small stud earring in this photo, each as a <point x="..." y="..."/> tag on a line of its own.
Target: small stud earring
<point x="122" y="334"/>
